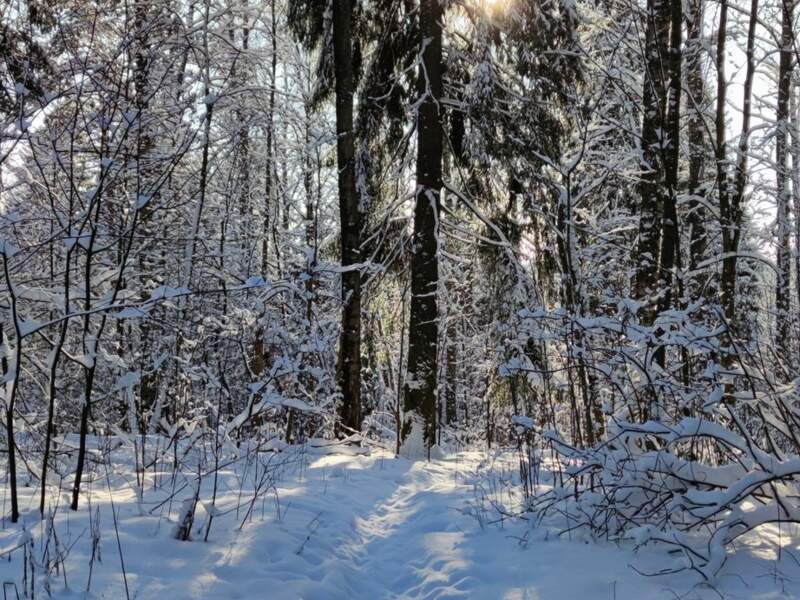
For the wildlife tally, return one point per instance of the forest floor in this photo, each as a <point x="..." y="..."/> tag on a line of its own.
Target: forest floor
<point x="329" y="524"/>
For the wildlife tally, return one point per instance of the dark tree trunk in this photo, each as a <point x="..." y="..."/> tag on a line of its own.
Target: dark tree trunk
<point x="145" y="177"/>
<point x="654" y="100"/>
<point x="695" y="135"/>
<point x="670" y="239"/>
<point x="10" y="393"/>
<point x="82" y="435"/>
<point x="349" y="363"/>
<point x="782" y="289"/>
<point x="720" y="149"/>
<point x="259" y="347"/>
<point x="242" y="121"/>
<point x="52" y="385"/>
<point x="731" y="207"/>
<point x="269" y="179"/>
<point x="451" y="384"/>
<point x="794" y="110"/>
<point x="420" y="388"/>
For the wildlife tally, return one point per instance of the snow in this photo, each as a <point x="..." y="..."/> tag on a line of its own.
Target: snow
<point x="414" y="448"/>
<point x="130" y="313"/>
<point x="29" y="326"/>
<point x="143" y="200"/>
<point x="165" y="292"/>
<point x="526" y="423"/>
<point x="336" y="525"/>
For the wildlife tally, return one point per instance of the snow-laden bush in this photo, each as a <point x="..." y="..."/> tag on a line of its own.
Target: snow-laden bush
<point x="692" y="458"/>
<point x="696" y="486"/>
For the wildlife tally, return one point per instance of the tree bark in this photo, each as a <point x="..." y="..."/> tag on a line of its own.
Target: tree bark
<point x="670" y="239"/>
<point x="451" y="384"/>
<point x="794" y="109"/>
<point x="783" y="258"/>
<point x="349" y="362"/>
<point x="695" y="136"/>
<point x="269" y="182"/>
<point x="419" y="399"/>
<point x="654" y="99"/>
<point x="720" y="147"/>
<point x="731" y="208"/>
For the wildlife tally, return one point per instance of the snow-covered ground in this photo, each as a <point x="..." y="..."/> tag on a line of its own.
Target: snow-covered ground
<point x="330" y="524"/>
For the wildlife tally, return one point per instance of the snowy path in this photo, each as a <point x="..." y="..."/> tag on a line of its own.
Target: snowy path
<point x="408" y="545"/>
<point x="373" y="528"/>
<point x="380" y="528"/>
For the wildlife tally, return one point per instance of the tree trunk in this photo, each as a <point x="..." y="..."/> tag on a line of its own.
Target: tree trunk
<point x="145" y="178"/>
<point x="731" y="208"/>
<point x="670" y="239"/>
<point x="695" y="137"/>
<point x="654" y="100"/>
<point x="259" y="348"/>
<point x="10" y="395"/>
<point x="451" y="384"/>
<point x="349" y="362"/>
<point x="269" y="180"/>
<point x="794" y="104"/>
<point x="782" y="287"/>
<point x="423" y="337"/>
<point x="720" y="151"/>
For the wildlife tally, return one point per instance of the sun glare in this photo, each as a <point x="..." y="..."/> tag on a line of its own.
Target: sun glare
<point x="493" y="7"/>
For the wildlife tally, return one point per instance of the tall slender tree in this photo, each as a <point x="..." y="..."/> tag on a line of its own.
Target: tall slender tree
<point x="670" y="255"/>
<point x="731" y="205"/>
<point x="695" y="90"/>
<point x="419" y="399"/>
<point x="721" y="153"/>
<point x="349" y="364"/>
<point x="783" y="187"/>
<point x="654" y="106"/>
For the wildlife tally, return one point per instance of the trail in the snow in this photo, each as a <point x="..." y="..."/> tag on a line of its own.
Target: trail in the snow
<point x="407" y="546"/>
<point x="388" y="528"/>
<point x="377" y="528"/>
<point x="369" y="528"/>
<point x="341" y="527"/>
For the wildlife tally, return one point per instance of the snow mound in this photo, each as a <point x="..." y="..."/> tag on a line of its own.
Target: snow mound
<point x="414" y="448"/>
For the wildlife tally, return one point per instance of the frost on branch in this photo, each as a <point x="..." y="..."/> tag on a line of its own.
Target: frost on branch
<point x="695" y="479"/>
